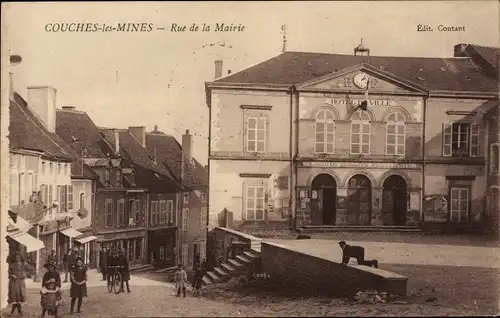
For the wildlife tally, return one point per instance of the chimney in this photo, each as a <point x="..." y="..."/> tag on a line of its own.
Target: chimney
<point x="229" y="72"/>
<point x="459" y="50"/>
<point x="218" y="69"/>
<point x="68" y="107"/>
<point x="42" y="102"/>
<point x="156" y="128"/>
<point x="206" y="167"/>
<point x="187" y="146"/>
<point x="117" y="141"/>
<point x="139" y="132"/>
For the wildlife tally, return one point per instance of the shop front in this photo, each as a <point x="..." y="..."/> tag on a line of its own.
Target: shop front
<point x="132" y="242"/>
<point x="162" y="247"/>
<point x="358" y="194"/>
<point x="85" y="244"/>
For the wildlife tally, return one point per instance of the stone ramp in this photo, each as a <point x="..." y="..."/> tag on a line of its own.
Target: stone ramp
<point x="300" y="264"/>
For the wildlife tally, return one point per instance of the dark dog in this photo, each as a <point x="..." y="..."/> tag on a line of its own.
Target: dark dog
<point x="303" y="237"/>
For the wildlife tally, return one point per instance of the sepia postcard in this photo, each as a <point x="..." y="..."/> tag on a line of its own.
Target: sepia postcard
<point x="250" y="158"/>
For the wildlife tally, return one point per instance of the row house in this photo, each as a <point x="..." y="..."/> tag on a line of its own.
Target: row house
<point x="310" y="139"/>
<point x="119" y="218"/>
<point x="191" y="201"/>
<point x="41" y="186"/>
<point x="488" y="60"/>
<point x="160" y="194"/>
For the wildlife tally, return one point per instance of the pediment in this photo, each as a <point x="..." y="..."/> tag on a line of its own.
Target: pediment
<point x="354" y="79"/>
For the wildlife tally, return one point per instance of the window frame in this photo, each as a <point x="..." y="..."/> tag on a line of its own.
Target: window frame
<point x="185" y="219"/>
<point x="325" y="133"/>
<point x="472" y="134"/>
<point x="81" y="203"/>
<point x="154" y="213"/>
<point x="361" y="133"/>
<point x="255" y="198"/>
<point x="461" y="190"/>
<point x="255" y="130"/>
<point x="120" y="213"/>
<point x="69" y="197"/>
<point x="170" y="211"/>
<point x="396" y="123"/>
<point x="108" y="213"/>
<point x="493" y="162"/>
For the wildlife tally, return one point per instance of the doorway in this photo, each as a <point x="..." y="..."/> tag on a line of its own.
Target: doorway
<point x="323" y="200"/>
<point x="359" y="198"/>
<point x="394" y="201"/>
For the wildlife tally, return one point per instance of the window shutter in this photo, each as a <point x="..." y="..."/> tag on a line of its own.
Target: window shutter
<point x="447" y="136"/>
<point x="69" y="196"/>
<point x="474" y="140"/>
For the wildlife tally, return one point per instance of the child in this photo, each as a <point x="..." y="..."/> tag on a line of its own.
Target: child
<point x="197" y="281"/>
<point x="51" y="284"/>
<point x="180" y="281"/>
<point x="78" y="284"/>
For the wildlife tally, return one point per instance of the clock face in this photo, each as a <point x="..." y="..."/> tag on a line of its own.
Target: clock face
<point x="360" y="80"/>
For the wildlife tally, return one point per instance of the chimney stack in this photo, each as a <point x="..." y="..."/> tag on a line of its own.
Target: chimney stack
<point x="42" y="102"/>
<point x="218" y="69"/>
<point x="117" y="141"/>
<point x="139" y="133"/>
<point x="68" y="107"/>
<point x="187" y="146"/>
<point x="229" y="72"/>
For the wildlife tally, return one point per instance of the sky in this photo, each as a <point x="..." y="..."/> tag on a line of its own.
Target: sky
<point x="157" y="78"/>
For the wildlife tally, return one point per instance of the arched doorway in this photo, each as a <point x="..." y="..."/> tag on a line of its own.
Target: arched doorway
<point x="359" y="198"/>
<point x="323" y="200"/>
<point x="394" y="201"/>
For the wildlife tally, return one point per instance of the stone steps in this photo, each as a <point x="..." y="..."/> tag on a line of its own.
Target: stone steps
<point x="232" y="268"/>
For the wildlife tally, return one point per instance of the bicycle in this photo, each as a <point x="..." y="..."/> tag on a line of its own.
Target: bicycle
<point x="116" y="280"/>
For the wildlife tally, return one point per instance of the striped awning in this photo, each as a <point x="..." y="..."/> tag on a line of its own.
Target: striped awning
<point x="32" y="243"/>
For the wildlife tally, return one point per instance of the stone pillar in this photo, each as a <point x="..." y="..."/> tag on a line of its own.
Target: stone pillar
<point x="341" y="211"/>
<point x="376" y="206"/>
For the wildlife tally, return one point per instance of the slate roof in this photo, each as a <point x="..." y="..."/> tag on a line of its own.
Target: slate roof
<point x="486" y="57"/>
<point x="438" y="74"/>
<point x="169" y="151"/>
<point x="148" y="174"/>
<point x="80" y="132"/>
<point x="26" y="131"/>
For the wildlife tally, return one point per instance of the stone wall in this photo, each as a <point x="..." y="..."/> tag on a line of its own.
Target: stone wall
<point x="317" y="275"/>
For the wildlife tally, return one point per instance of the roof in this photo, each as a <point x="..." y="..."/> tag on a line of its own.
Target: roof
<point x="438" y="74"/>
<point x="148" y="173"/>
<point x="486" y="57"/>
<point x="80" y="132"/>
<point x="27" y="132"/>
<point x="169" y="151"/>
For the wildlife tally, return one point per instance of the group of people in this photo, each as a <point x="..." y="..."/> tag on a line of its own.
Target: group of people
<point x="181" y="279"/>
<point x="109" y="260"/>
<point x="73" y="265"/>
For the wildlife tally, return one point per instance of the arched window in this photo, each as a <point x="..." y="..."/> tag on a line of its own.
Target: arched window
<point x="395" y="134"/>
<point x="360" y="133"/>
<point x="324" y="132"/>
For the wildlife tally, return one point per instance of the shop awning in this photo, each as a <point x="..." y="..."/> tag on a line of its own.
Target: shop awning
<point x="71" y="232"/>
<point x="87" y="239"/>
<point x="32" y="243"/>
<point x="20" y="224"/>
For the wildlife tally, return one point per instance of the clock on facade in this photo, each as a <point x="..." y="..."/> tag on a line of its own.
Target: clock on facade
<point x="360" y="80"/>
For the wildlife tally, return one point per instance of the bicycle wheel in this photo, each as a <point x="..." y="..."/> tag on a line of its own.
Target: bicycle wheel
<point x="111" y="284"/>
<point x="118" y="283"/>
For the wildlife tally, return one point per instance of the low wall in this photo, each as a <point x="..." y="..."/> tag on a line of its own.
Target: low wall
<point x="318" y="275"/>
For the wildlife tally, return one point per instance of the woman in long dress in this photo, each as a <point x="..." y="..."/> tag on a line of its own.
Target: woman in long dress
<point x="78" y="284"/>
<point x="17" y="286"/>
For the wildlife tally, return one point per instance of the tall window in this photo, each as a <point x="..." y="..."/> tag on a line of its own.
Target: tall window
<point x="461" y="139"/>
<point x="108" y="212"/>
<point x="137" y="205"/>
<point x="82" y="200"/>
<point x="163" y="212"/>
<point x="120" y="211"/>
<point x="185" y="219"/>
<point x="459" y="210"/>
<point x="50" y="198"/>
<point x="256" y="134"/>
<point x="324" y="132"/>
<point x="61" y="194"/>
<point x="154" y="212"/>
<point x="360" y="133"/>
<point x="494" y="158"/>
<point x="395" y="134"/>
<point x="170" y="211"/>
<point x="70" y="197"/>
<point x="254" y="203"/>
<point x="203" y="218"/>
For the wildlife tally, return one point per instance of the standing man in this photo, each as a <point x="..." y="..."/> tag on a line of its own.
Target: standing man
<point x="125" y="270"/>
<point x="356" y="252"/>
<point x="66" y="267"/>
<point x="180" y="281"/>
<point x="103" y="262"/>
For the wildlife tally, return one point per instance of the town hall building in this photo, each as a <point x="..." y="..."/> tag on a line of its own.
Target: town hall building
<point x="312" y="139"/>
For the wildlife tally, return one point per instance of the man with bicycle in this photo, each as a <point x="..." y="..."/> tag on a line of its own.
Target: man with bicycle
<point x="111" y="264"/>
